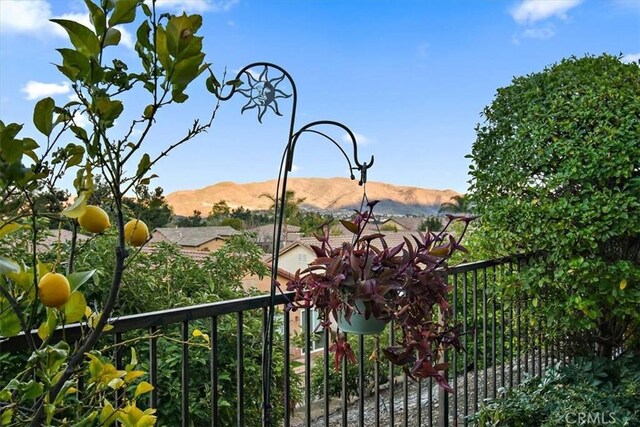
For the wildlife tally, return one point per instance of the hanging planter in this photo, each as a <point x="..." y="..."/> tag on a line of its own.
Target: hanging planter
<point x="362" y="285"/>
<point x="358" y="323"/>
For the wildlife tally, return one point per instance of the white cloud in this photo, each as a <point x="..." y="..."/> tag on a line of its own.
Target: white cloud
<point x="360" y="138"/>
<point x="31" y="17"/>
<point x="197" y="6"/>
<point x="295" y="168"/>
<point x="543" y="33"/>
<point x="24" y="16"/>
<point x="530" y="11"/>
<point x="631" y="57"/>
<point x="37" y="90"/>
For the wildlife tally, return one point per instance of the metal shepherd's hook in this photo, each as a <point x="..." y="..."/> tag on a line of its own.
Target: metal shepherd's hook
<point x="263" y="94"/>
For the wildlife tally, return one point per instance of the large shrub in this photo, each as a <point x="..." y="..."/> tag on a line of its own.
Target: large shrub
<point x="556" y="170"/>
<point x="587" y="392"/>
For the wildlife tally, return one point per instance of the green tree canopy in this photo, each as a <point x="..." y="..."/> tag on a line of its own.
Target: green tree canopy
<point x="556" y="168"/>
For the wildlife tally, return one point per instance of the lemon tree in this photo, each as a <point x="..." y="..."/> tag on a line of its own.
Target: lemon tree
<point x="43" y="294"/>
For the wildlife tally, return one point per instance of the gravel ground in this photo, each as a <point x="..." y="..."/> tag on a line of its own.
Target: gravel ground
<point x="335" y="415"/>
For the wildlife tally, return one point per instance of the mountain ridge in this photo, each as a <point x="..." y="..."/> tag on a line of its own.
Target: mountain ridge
<point x="323" y="194"/>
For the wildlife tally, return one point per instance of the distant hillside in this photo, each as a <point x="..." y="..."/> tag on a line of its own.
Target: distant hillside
<point x="325" y="194"/>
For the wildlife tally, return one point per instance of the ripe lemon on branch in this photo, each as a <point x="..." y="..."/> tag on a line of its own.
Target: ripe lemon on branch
<point x="94" y="219"/>
<point x="136" y="232"/>
<point x="53" y="290"/>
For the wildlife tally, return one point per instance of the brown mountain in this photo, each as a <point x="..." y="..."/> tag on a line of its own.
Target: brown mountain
<point x="330" y="194"/>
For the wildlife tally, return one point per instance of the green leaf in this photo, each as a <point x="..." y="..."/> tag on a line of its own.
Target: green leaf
<point x="349" y="226"/>
<point x="143" y="35"/>
<point x="124" y="12"/>
<point x="148" y="111"/>
<point x="186" y="70"/>
<point x="79" y="278"/>
<point x="163" y="51"/>
<point x="8" y="228"/>
<point x="10" y="148"/>
<point x="107" y="416"/>
<point x="97" y="17"/>
<point x="142" y="388"/>
<point x="9" y="323"/>
<point x="8" y="266"/>
<point x="6" y="417"/>
<point x="32" y="390"/>
<point x="43" y="115"/>
<point x="109" y="110"/>
<point x="78" y="207"/>
<point x="81" y="37"/>
<point x="75" y="307"/>
<point x="212" y="84"/>
<point x="112" y="38"/>
<point x="75" y="60"/>
<point x="143" y="165"/>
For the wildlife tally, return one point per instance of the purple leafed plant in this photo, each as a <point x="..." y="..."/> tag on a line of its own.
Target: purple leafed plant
<point x="404" y="283"/>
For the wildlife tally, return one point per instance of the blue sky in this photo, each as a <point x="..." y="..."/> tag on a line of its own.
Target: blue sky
<point x="410" y="78"/>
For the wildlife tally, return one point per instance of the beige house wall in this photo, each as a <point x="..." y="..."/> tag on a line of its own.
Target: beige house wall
<point x="296" y="258"/>
<point x="212" y="245"/>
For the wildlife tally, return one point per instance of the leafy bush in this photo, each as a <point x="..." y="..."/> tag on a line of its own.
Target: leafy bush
<point x="556" y="169"/>
<point x="585" y="392"/>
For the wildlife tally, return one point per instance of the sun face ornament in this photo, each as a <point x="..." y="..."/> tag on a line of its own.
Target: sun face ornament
<point x="263" y="93"/>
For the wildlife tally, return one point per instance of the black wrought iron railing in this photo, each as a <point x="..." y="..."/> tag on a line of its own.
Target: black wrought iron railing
<point x="502" y="347"/>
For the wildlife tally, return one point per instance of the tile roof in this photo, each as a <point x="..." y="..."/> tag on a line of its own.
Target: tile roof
<point x="51" y="239"/>
<point x="194" y="254"/>
<point x="195" y="236"/>
<point x="408" y="222"/>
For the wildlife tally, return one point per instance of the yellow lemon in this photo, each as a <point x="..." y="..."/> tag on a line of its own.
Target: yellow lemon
<point x="54" y="290"/>
<point x="136" y="232"/>
<point x="94" y="219"/>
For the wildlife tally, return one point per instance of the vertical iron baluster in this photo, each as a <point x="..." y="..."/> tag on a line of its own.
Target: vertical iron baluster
<point x="465" y="331"/>
<point x="287" y="368"/>
<point x="344" y="389"/>
<point x="419" y="402"/>
<point x="361" y="380"/>
<point x="493" y="331"/>
<point x="405" y="399"/>
<point x="511" y="342"/>
<point x="326" y="377"/>
<point x="484" y="331"/>
<point x="307" y="366"/>
<point x="214" y="371"/>
<point x="540" y="350"/>
<point x="240" y="369"/>
<point x="376" y="379"/>
<point x="430" y="407"/>
<point x="153" y="367"/>
<point x="502" y="335"/>
<point x="526" y="341"/>
<point x="185" y="374"/>
<point x="117" y="340"/>
<point x="475" y="340"/>
<point x="392" y="397"/>
<point x="533" y="348"/>
<point x="519" y="378"/>
<point x="455" y="353"/>
<point x="443" y="395"/>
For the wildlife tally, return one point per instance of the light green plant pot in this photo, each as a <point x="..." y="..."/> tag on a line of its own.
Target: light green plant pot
<point x="359" y="324"/>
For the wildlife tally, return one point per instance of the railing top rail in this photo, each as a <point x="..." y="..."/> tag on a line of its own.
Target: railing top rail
<point x="178" y="315"/>
<point x="158" y="318"/>
<point x="479" y="265"/>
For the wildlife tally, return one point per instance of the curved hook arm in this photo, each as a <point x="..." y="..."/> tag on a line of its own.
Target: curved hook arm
<point x="362" y="167"/>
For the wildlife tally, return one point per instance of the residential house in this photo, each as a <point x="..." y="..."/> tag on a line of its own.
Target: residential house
<point x="196" y="238"/>
<point x="403" y="223"/>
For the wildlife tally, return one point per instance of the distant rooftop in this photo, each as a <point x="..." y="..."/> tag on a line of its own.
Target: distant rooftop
<point x="195" y="236"/>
